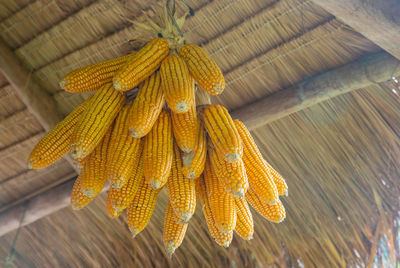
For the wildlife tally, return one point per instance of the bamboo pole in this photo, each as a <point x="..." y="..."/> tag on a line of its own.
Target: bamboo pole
<point x="377" y="20"/>
<point x="371" y="69"/>
<point x="362" y="73"/>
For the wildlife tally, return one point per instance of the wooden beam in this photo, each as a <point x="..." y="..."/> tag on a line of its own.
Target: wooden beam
<point x="369" y="70"/>
<point x="37" y="100"/>
<point x="377" y="20"/>
<point x="375" y="68"/>
<point x="38" y="206"/>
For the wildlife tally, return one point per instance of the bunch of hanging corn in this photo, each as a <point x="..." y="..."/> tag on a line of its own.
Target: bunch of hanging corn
<point x="160" y="139"/>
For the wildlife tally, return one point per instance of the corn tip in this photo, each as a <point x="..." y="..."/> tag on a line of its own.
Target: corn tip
<point x="239" y="193"/>
<point x="186" y="149"/>
<point x="134" y="232"/>
<point x="218" y="88"/>
<point x="156" y="184"/>
<point x="116" y="185"/>
<point x="76" y="205"/>
<point x="63" y="83"/>
<point x="116" y="85"/>
<point x="170" y="248"/>
<point x="76" y="153"/>
<point x="185" y="216"/>
<point x="226" y="244"/>
<point x="281" y="220"/>
<point x="181" y="107"/>
<point x="136" y="133"/>
<point x="286" y="193"/>
<point x="191" y="175"/>
<point x="249" y="236"/>
<point x="89" y="193"/>
<point x="232" y="157"/>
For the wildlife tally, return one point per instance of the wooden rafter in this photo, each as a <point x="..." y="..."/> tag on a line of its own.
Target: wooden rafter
<point x="377" y="20"/>
<point x="37" y="100"/>
<point x="362" y="73"/>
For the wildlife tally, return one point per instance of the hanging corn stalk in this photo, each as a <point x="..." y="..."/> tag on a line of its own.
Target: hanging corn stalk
<point x="169" y="135"/>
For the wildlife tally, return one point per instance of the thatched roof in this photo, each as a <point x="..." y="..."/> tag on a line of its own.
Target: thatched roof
<point x="340" y="157"/>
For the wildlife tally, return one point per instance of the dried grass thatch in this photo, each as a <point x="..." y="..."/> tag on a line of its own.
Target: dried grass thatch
<point x="340" y="157"/>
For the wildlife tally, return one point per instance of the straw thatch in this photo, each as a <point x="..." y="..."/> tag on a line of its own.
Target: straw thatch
<point x="340" y="157"/>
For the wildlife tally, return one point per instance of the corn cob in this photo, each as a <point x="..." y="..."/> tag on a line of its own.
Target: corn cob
<point x="177" y="84"/>
<point x="125" y="150"/>
<point x="274" y="213"/>
<point x="181" y="190"/>
<point x="220" y="238"/>
<point x="141" y="65"/>
<point x="278" y="180"/>
<point x="193" y="162"/>
<point x="93" y="175"/>
<point x="186" y="129"/>
<point x="55" y="144"/>
<point x="146" y="106"/>
<point x="158" y="151"/>
<point x="222" y="204"/>
<point x="223" y="133"/>
<point x="95" y="121"/>
<point x="203" y="68"/>
<point x="256" y="169"/>
<point x="244" y="225"/>
<point x="93" y="76"/>
<point x="78" y="199"/>
<point x="118" y="200"/>
<point x="140" y="210"/>
<point x="232" y="176"/>
<point x="174" y="232"/>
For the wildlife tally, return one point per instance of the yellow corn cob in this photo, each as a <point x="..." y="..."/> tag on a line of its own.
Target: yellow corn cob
<point x="146" y="106"/>
<point x="186" y="129"/>
<point x="222" y="204"/>
<point x="140" y="210"/>
<point x="278" y="180"/>
<point x="78" y="199"/>
<point x="231" y="175"/>
<point x="223" y="134"/>
<point x="257" y="172"/>
<point x="93" y="76"/>
<point x="174" y="232"/>
<point x="93" y="175"/>
<point x="177" y="84"/>
<point x="95" y="120"/>
<point x="141" y="65"/>
<point x="203" y="68"/>
<point x="193" y="162"/>
<point x="158" y="151"/>
<point x="118" y="200"/>
<point x="181" y="190"/>
<point x="244" y="225"/>
<point x="55" y="144"/>
<point x="124" y="152"/>
<point x="220" y="238"/>
<point x="274" y="213"/>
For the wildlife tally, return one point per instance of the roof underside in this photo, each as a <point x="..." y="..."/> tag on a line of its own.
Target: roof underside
<point x="340" y="158"/>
